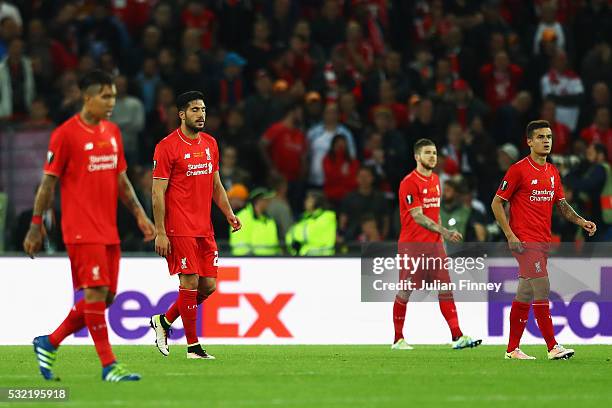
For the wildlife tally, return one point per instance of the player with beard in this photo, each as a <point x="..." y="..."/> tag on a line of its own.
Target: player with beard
<point x="531" y="187"/>
<point x="422" y="233"/>
<point x="185" y="182"/>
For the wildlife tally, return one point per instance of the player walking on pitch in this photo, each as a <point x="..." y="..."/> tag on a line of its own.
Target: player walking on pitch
<point x="86" y="154"/>
<point x="532" y="186"/>
<point x="185" y="182"/>
<point x="419" y="199"/>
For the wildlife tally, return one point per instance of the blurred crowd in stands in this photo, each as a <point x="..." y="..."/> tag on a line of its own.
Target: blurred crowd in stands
<point x="322" y="100"/>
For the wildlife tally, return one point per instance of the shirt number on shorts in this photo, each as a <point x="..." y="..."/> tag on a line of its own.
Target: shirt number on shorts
<point x="216" y="259"/>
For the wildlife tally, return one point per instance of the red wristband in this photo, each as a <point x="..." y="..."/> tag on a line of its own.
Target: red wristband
<point x="37" y="219"/>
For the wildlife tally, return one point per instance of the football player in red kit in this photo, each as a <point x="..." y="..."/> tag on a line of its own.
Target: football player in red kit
<point x="531" y="187"/>
<point x="86" y="156"/>
<point x="422" y="232"/>
<point x="185" y="183"/>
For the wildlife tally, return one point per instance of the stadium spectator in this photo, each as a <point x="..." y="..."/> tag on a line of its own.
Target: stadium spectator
<point x="258" y="52"/>
<point x="600" y="131"/>
<point x="320" y="139"/>
<point x="363" y="201"/>
<point x="549" y="28"/>
<point x="512" y="118"/>
<point x="456" y="215"/>
<point x="329" y="28"/>
<point x="231" y="173"/>
<point x="16" y="83"/>
<point x="562" y="137"/>
<point x="279" y="209"/>
<point x="500" y="80"/>
<point x="565" y="87"/>
<point x="340" y="171"/>
<point x="129" y="115"/>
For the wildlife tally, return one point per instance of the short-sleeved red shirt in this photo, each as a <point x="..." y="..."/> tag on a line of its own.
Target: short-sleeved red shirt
<point x="189" y="166"/>
<point x="417" y="190"/>
<point x="88" y="160"/>
<point x="531" y="190"/>
<point x="287" y="145"/>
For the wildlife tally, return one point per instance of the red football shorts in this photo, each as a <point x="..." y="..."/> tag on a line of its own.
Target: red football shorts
<point x="94" y="265"/>
<point x="193" y="255"/>
<point x="532" y="262"/>
<point x="431" y="268"/>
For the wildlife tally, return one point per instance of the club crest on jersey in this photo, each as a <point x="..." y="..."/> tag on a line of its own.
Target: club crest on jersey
<point x="154" y="164"/>
<point x="88" y="146"/>
<point x="50" y="156"/>
<point x="184" y="263"/>
<point x="187" y="156"/>
<point x="95" y="271"/>
<point x="114" y="144"/>
<point x="409" y="199"/>
<point x="552" y="182"/>
<point x="207" y="150"/>
<point x="504" y="186"/>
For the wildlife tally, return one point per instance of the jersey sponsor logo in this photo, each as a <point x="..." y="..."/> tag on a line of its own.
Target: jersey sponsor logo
<point x="103" y="162"/>
<point x="503" y="186"/>
<point x="187" y="156"/>
<point x="534" y="181"/>
<point x="95" y="271"/>
<point x="431" y="202"/>
<point x="409" y="199"/>
<point x="184" y="263"/>
<point x="50" y="156"/>
<point x="199" y="169"/>
<point x="88" y="146"/>
<point x="541" y="195"/>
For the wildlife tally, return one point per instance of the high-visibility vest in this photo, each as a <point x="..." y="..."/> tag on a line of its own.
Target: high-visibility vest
<point x="456" y="219"/>
<point x="258" y="235"/>
<point x="606" y="196"/>
<point x="314" y="234"/>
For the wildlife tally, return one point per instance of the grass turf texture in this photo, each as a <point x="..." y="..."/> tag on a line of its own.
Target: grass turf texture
<point x="323" y="376"/>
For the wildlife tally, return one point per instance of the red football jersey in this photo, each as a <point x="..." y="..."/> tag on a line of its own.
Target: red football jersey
<point x="88" y="160"/>
<point x="287" y="146"/>
<point x="417" y="190"/>
<point x="189" y="166"/>
<point x="531" y="190"/>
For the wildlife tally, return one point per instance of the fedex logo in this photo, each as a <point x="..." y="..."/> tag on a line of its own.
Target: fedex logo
<point x="571" y="311"/>
<point x="137" y="307"/>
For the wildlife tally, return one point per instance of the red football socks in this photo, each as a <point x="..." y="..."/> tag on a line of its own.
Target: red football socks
<point x="541" y="310"/>
<point x="399" y="315"/>
<point x="96" y="323"/>
<point x="188" y="308"/>
<point x="74" y="322"/>
<point x="449" y="311"/>
<point x="173" y="311"/>
<point x="519" y="313"/>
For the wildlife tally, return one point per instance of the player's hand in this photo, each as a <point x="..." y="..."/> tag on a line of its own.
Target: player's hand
<point x="515" y="244"/>
<point x="162" y="245"/>
<point x="33" y="240"/>
<point x="452" y="236"/>
<point x="234" y="222"/>
<point x="146" y="227"/>
<point x="589" y="227"/>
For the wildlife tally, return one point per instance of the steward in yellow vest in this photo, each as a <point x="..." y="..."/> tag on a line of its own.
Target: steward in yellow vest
<point x="259" y="235"/>
<point x="315" y="233"/>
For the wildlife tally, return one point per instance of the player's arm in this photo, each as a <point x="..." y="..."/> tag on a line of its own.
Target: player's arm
<point x="128" y="197"/>
<point x="429" y="224"/>
<point x="220" y="198"/>
<point x="566" y="210"/>
<point x="158" y="195"/>
<point x="43" y="201"/>
<point x="497" y="205"/>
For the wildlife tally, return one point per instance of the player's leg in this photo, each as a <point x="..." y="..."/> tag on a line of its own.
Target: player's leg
<point x="519" y="314"/>
<point x="541" y="311"/>
<point x="399" y="316"/>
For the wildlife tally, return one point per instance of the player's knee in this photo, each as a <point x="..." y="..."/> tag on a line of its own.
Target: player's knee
<point x="210" y="288"/>
<point x="97" y="294"/>
<point x="524" y="297"/>
<point x="403" y="295"/>
<point x="189" y="282"/>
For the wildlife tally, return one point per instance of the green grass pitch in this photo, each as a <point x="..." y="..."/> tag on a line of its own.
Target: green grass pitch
<point x="324" y="376"/>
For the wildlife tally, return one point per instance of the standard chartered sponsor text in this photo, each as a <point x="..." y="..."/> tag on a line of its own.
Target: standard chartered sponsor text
<point x="104" y="162"/>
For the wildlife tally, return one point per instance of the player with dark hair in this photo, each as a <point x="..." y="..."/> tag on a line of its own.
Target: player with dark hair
<point x="419" y="200"/>
<point x="185" y="182"/>
<point x="86" y="153"/>
<point x="532" y="186"/>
